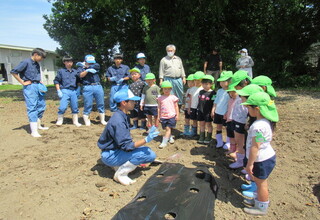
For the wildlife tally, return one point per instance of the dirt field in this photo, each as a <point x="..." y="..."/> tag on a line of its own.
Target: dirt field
<point x="60" y="176"/>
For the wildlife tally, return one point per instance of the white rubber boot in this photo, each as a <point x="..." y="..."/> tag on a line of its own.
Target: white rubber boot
<point x="75" y="120"/>
<point x="40" y="126"/>
<point x="121" y="174"/>
<point x="226" y="146"/>
<point x="164" y="143"/>
<point x="238" y="163"/>
<point x="34" y="129"/>
<point x="171" y="140"/>
<point x="219" y="140"/>
<point x="102" y="119"/>
<point x="86" y="120"/>
<point x="260" y="208"/>
<point x="60" y="120"/>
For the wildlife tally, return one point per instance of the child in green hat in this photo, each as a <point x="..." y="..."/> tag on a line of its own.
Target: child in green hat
<point x="190" y="83"/>
<point x="220" y="106"/>
<point x="240" y="79"/>
<point x="168" y="112"/>
<point x="266" y="84"/>
<point x="149" y="103"/>
<point x="260" y="154"/>
<point x="136" y="87"/>
<point x="194" y="100"/>
<point x="206" y="95"/>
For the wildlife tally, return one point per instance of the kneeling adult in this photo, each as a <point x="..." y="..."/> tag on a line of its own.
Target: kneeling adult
<point x="118" y="149"/>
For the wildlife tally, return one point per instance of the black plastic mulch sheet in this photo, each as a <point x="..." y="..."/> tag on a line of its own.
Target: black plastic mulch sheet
<point x="174" y="192"/>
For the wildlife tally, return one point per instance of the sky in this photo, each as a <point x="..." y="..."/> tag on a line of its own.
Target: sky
<point x="22" y="24"/>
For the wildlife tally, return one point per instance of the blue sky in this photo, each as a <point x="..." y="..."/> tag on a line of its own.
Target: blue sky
<point x="22" y="24"/>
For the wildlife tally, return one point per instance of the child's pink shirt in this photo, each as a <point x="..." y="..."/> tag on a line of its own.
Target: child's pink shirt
<point x="231" y="103"/>
<point x="167" y="106"/>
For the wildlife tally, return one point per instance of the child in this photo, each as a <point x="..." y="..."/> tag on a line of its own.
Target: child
<point x="92" y="88"/>
<point x="118" y="74"/>
<point x="194" y="100"/>
<point x="266" y="84"/>
<point x="142" y="66"/>
<point x="261" y="156"/>
<point x="239" y="80"/>
<point x="117" y="147"/>
<point x="68" y="89"/>
<point x="206" y="95"/>
<point x="136" y="87"/>
<point x="190" y="82"/>
<point x="168" y="111"/>
<point x="148" y="102"/>
<point x="28" y="74"/>
<point x="231" y="145"/>
<point x="220" y="105"/>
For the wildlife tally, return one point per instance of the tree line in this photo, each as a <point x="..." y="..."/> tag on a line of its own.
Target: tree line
<point x="277" y="33"/>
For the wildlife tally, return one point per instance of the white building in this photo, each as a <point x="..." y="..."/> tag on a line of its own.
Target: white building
<point x="11" y="56"/>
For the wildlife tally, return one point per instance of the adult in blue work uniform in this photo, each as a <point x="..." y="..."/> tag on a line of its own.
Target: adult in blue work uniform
<point x="89" y="75"/>
<point x="118" y="74"/>
<point x="67" y="83"/>
<point x="118" y="149"/>
<point x="28" y="74"/>
<point x="142" y="66"/>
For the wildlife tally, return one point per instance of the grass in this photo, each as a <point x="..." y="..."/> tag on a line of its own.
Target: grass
<point x="15" y="87"/>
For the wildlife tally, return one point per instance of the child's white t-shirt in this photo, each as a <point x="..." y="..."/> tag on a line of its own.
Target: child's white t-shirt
<point x="240" y="112"/>
<point x="262" y="132"/>
<point x="194" y="91"/>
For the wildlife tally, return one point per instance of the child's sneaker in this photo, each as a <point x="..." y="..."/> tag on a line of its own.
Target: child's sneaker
<point x="164" y="143"/>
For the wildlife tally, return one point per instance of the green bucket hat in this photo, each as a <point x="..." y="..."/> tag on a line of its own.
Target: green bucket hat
<point x="209" y="77"/>
<point x="166" y="84"/>
<point x="230" y="89"/>
<point x="225" y="75"/>
<point x="267" y="107"/>
<point x="190" y="77"/>
<point x="150" y="76"/>
<point x="249" y="90"/>
<point x="198" y="75"/>
<point x="265" y="81"/>
<point x="238" y="77"/>
<point x="134" y="70"/>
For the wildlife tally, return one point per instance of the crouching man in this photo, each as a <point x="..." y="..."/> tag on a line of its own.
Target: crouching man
<point x="118" y="149"/>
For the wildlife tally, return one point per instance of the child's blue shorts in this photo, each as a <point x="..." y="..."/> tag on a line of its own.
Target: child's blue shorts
<point x="263" y="169"/>
<point x="171" y="122"/>
<point x="150" y="110"/>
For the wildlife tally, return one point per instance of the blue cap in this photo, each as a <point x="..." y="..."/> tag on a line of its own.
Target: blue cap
<point x="124" y="95"/>
<point x="89" y="59"/>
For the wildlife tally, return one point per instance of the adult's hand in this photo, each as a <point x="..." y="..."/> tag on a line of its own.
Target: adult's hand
<point x="112" y="79"/>
<point x="120" y="81"/>
<point x="80" y="64"/>
<point x="91" y="70"/>
<point x="184" y="81"/>
<point x="28" y="82"/>
<point x="152" y="134"/>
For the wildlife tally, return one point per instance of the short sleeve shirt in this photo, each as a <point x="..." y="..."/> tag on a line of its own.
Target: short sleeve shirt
<point x="67" y="79"/>
<point x="137" y="87"/>
<point x="240" y="112"/>
<point x="262" y="132"/>
<point x="205" y="101"/>
<point x="167" y="106"/>
<point x="221" y="101"/>
<point x="28" y="70"/>
<point x="90" y="77"/>
<point x="194" y="91"/>
<point x="151" y="95"/>
<point x="213" y="62"/>
<point x="120" y="72"/>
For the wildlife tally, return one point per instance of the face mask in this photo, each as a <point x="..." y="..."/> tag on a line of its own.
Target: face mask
<point x="170" y="54"/>
<point x="243" y="54"/>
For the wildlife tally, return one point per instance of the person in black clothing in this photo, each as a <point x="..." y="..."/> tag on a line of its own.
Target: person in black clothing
<point x="213" y="64"/>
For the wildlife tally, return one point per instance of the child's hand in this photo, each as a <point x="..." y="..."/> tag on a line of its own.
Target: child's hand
<point x="189" y="111"/>
<point x="212" y="114"/>
<point x="249" y="170"/>
<point x="177" y="117"/>
<point x="141" y="107"/>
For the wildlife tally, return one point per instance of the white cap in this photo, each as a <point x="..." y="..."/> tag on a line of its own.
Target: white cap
<point x="243" y="50"/>
<point x="141" y="55"/>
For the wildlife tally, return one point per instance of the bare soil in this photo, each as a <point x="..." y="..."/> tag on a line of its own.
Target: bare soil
<point x="60" y="175"/>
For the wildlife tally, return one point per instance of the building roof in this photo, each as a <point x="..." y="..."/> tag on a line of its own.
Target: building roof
<point x="5" y="46"/>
